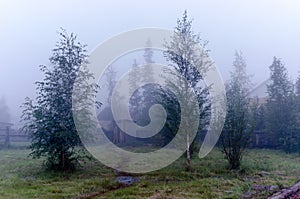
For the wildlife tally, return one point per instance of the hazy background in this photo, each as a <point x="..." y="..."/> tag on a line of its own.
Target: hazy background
<point x="261" y="29"/>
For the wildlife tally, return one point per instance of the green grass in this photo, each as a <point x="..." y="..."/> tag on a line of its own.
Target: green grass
<point x="15" y="145"/>
<point x="23" y="177"/>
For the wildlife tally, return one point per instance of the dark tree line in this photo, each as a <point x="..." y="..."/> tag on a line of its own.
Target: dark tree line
<point x="280" y="114"/>
<point x="277" y="117"/>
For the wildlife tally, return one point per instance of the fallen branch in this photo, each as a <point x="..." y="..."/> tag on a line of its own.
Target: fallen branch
<point x="291" y="193"/>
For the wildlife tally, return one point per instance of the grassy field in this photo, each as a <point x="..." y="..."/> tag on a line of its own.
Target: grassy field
<point x="22" y="177"/>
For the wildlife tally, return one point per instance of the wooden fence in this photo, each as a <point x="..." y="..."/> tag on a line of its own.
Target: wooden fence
<point x="10" y="137"/>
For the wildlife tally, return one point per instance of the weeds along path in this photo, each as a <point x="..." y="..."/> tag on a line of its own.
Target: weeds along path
<point x="95" y="194"/>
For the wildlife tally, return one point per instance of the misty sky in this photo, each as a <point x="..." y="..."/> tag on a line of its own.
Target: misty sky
<point x="28" y="31"/>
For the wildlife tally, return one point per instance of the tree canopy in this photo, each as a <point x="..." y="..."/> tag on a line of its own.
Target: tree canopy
<point x="49" y="117"/>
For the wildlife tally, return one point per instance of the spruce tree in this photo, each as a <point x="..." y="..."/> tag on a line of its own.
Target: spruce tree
<point x="240" y="117"/>
<point x="281" y="115"/>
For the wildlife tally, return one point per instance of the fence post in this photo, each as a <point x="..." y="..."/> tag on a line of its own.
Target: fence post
<point x="7" y="138"/>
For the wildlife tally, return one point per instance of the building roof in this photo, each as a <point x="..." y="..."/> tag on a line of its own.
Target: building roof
<point x="105" y="114"/>
<point x="5" y="124"/>
<point x="260" y="90"/>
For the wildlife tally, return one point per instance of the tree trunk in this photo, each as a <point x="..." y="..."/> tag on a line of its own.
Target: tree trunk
<point x="188" y="153"/>
<point x="116" y="135"/>
<point x="62" y="160"/>
<point x="234" y="163"/>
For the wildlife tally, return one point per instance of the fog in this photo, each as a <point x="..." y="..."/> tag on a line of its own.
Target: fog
<point x="28" y="32"/>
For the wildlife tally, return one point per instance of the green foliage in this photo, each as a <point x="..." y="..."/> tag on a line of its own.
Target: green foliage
<point x="189" y="61"/>
<point x="49" y="118"/>
<point x="281" y="114"/>
<point x="240" y="117"/>
<point x="298" y="105"/>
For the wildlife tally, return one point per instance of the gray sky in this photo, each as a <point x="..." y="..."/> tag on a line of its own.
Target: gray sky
<point x="260" y="28"/>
